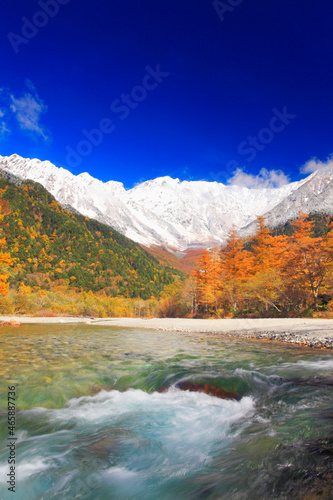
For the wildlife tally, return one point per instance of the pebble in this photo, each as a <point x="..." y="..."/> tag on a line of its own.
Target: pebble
<point x="305" y="339"/>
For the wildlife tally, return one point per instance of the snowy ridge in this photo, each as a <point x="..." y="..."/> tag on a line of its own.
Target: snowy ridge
<point x="166" y="211"/>
<point x="315" y="194"/>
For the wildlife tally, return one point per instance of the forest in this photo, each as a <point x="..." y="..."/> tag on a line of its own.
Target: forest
<point x="55" y="258"/>
<point x="288" y="272"/>
<point x="54" y="261"/>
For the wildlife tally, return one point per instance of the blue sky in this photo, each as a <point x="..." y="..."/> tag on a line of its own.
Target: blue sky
<point x="237" y="91"/>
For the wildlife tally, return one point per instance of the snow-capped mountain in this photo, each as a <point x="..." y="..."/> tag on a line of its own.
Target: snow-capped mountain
<point x="315" y="194"/>
<point x="165" y="211"/>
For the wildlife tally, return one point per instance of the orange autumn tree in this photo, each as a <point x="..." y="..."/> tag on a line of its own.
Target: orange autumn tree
<point x="309" y="263"/>
<point x="5" y="262"/>
<point x="200" y="274"/>
<point x="5" y="259"/>
<point x="267" y="272"/>
<point x="207" y="275"/>
<point x="214" y="281"/>
<point x="266" y="286"/>
<point x="236" y="267"/>
<point x="261" y="245"/>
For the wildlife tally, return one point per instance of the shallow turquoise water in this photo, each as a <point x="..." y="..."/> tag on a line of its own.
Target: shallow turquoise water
<point x="91" y="423"/>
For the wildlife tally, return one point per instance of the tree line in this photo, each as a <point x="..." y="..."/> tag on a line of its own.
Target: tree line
<point x="267" y="273"/>
<point x="47" y="247"/>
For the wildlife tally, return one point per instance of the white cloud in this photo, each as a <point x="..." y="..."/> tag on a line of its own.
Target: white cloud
<point x="314" y="164"/>
<point x="3" y="128"/>
<point x="25" y="108"/>
<point x="265" y="179"/>
<point x="28" y="110"/>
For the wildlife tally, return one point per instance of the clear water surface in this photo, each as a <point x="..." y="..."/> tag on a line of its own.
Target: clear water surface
<point x="91" y="424"/>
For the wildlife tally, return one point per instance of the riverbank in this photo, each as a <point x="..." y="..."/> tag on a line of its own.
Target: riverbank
<point x="303" y="331"/>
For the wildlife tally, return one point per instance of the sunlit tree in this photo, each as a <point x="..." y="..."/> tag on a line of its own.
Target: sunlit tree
<point x="5" y="263"/>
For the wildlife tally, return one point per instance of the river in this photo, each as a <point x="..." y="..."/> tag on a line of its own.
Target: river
<point x="91" y="424"/>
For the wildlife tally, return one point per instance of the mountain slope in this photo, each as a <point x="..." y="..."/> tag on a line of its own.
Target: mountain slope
<point x="315" y="195"/>
<point x="52" y="246"/>
<point x="184" y="261"/>
<point x="163" y="211"/>
<point x="321" y="224"/>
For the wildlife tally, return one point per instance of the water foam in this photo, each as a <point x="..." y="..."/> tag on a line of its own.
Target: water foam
<point x="186" y="406"/>
<point x="322" y="366"/>
<point x="26" y="469"/>
<point x="171" y="433"/>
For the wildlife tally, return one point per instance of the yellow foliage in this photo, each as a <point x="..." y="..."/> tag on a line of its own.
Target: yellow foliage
<point x="5" y="262"/>
<point x="24" y="290"/>
<point x="46" y="241"/>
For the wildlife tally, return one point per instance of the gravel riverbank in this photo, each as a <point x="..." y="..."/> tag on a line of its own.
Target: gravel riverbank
<point x="310" y="332"/>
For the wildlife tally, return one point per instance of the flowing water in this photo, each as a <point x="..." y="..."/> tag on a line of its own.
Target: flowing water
<point x="91" y="424"/>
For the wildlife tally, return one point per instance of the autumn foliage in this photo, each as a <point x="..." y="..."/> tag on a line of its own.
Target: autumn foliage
<point x="5" y="258"/>
<point x="51" y="247"/>
<point x="57" y="262"/>
<point x="266" y="273"/>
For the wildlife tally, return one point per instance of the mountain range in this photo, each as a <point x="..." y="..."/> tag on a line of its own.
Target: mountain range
<point x="179" y="215"/>
<point x="57" y="249"/>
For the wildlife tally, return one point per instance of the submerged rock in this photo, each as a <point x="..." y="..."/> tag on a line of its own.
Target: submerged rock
<point x="316" y="381"/>
<point x="209" y="389"/>
<point x="301" y="471"/>
<point x="12" y="322"/>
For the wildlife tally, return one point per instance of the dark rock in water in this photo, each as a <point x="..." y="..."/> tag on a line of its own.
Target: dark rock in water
<point x="102" y="446"/>
<point x="301" y="471"/>
<point x="103" y="387"/>
<point x="322" y="381"/>
<point x="209" y="389"/>
<point x="316" y="381"/>
<point x="326" y="414"/>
